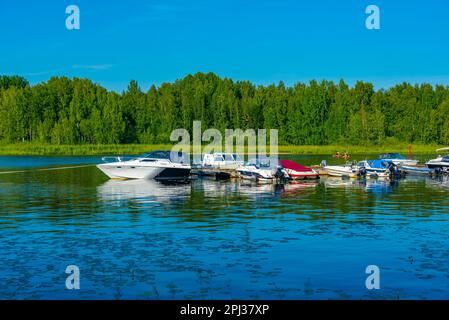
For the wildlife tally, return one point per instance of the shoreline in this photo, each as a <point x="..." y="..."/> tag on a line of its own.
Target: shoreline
<point x="33" y="149"/>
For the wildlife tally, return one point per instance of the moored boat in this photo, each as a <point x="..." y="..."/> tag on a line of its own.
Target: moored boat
<point x="347" y="170"/>
<point x="398" y="159"/>
<point x="378" y="168"/>
<point x="159" y="165"/>
<point x="260" y="172"/>
<point x="221" y="160"/>
<point x="417" y="171"/>
<point x="297" y="171"/>
<point x="440" y="163"/>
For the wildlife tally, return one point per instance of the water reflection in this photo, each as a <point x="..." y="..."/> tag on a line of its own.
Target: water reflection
<point x="440" y="182"/>
<point x="145" y="190"/>
<point x="368" y="185"/>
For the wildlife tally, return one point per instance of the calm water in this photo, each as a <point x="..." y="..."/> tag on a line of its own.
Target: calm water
<point x="218" y="240"/>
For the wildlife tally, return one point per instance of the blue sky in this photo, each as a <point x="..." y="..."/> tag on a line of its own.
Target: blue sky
<point x="156" y="41"/>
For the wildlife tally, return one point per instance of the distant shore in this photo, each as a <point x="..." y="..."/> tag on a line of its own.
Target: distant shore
<point x="35" y="149"/>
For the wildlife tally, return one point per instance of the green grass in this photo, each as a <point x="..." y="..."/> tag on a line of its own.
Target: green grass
<point x="36" y="149"/>
<point x="28" y="148"/>
<point x="360" y="150"/>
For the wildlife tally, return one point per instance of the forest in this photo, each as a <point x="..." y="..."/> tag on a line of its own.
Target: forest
<point x="78" y="111"/>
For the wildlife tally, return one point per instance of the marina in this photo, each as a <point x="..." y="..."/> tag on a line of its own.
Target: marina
<point x="166" y="165"/>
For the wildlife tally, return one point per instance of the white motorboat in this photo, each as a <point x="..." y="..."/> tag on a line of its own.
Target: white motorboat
<point x="398" y="159"/>
<point x="260" y="172"/>
<point x="347" y="170"/>
<point x="159" y="165"/>
<point x="440" y="163"/>
<point x="377" y="168"/>
<point x="221" y="160"/>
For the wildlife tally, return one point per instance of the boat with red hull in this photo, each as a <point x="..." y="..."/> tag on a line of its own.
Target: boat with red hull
<point x="297" y="171"/>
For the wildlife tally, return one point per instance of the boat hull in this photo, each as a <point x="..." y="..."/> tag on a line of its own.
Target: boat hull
<point x="416" y="171"/>
<point x="442" y="165"/>
<point x="340" y="171"/>
<point x="123" y="171"/>
<point x="254" y="176"/>
<point x="302" y="175"/>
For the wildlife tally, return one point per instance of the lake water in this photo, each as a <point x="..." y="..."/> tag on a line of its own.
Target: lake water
<point x="218" y="240"/>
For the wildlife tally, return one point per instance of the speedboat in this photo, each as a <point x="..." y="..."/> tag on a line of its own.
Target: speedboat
<point x="348" y="170"/>
<point x="159" y="165"/>
<point x="297" y="171"/>
<point x="441" y="163"/>
<point x="377" y="168"/>
<point x="260" y="172"/>
<point x="398" y="159"/>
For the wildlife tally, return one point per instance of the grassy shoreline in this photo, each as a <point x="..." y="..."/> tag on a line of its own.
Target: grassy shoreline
<point x="34" y="149"/>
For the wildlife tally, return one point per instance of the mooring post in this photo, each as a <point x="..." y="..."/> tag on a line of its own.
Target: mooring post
<point x="410" y="156"/>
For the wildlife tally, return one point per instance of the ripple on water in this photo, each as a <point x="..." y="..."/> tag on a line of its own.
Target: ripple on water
<point x="221" y="240"/>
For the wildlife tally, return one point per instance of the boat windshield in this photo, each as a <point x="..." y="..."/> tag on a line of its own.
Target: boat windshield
<point x="445" y="159"/>
<point x="258" y="164"/>
<point x="228" y="157"/>
<point x="218" y="158"/>
<point x="166" y="155"/>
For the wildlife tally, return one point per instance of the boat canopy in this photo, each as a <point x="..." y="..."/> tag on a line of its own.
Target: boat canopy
<point x="392" y="155"/>
<point x="288" y="164"/>
<point x="379" y="164"/>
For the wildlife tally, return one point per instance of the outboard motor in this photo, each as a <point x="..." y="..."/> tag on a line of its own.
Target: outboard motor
<point x="393" y="169"/>
<point x="281" y="173"/>
<point x="323" y="163"/>
<point x="362" y="172"/>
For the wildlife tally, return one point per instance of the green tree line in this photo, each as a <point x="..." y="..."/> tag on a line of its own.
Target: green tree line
<point x="73" y="111"/>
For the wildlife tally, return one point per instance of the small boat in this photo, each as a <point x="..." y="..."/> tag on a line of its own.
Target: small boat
<point x="378" y="168"/>
<point x="297" y="171"/>
<point x="260" y="172"/>
<point x="417" y="171"/>
<point x="398" y="159"/>
<point x="441" y="163"/>
<point x="348" y="170"/>
<point x="221" y="160"/>
<point x="159" y="165"/>
<point x="219" y="165"/>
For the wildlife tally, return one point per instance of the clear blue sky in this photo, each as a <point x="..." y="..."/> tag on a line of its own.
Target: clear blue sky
<point x="263" y="41"/>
